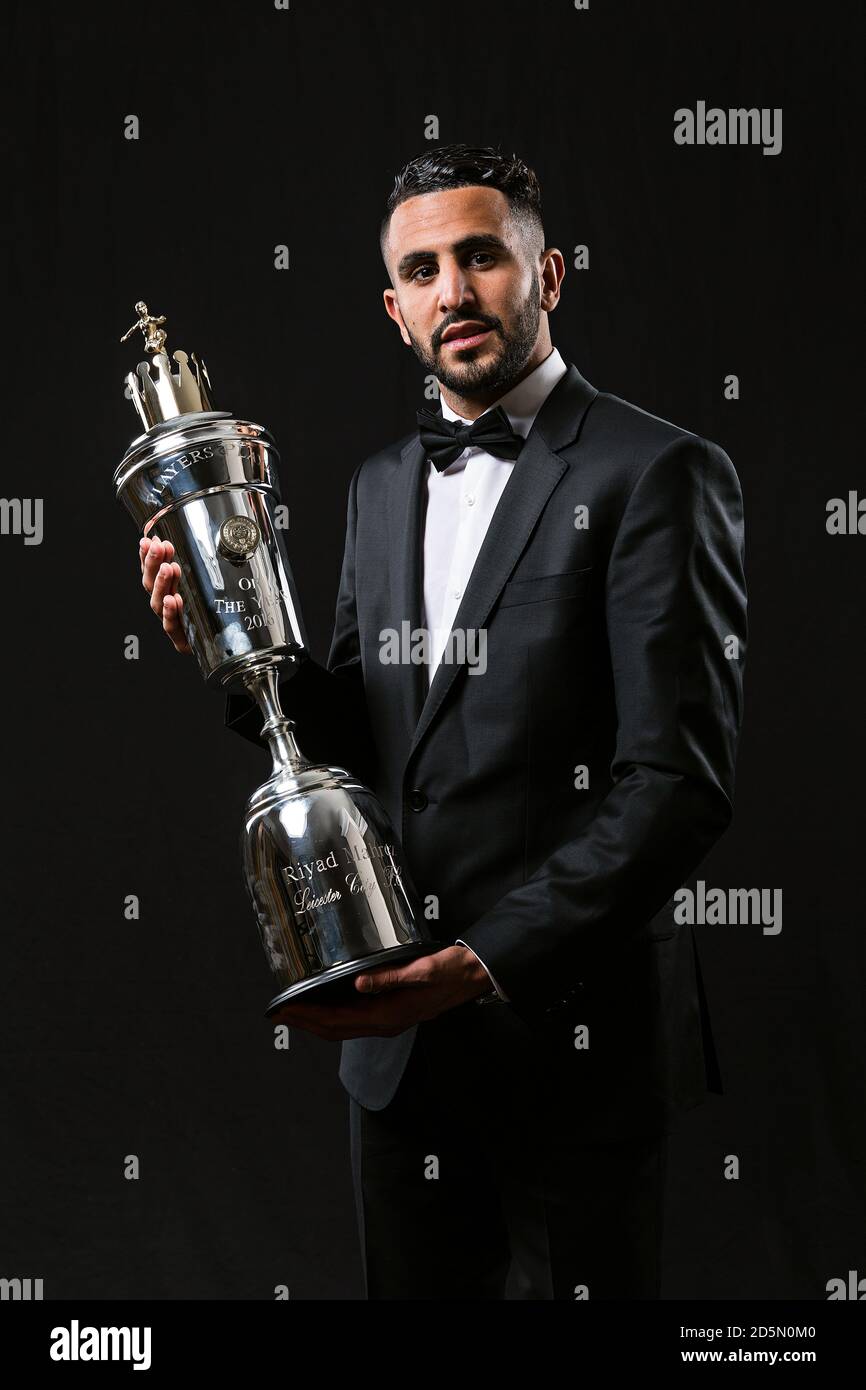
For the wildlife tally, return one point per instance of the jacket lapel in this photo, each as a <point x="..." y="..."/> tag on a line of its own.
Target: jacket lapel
<point x="406" y="507"/>
<point x="535" y="474"/>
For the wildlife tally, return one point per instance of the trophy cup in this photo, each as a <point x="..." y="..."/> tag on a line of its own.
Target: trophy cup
<point x="323" y="865"/>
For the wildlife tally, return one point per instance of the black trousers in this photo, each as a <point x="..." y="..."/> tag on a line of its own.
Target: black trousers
<point x="468" y="1191"/>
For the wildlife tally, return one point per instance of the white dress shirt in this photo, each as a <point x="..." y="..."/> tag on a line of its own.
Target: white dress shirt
<point x="460" y="503"/>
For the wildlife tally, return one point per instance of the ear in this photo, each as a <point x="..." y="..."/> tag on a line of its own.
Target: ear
<point x="392" y="308"/>
<point x="552" y="274"/>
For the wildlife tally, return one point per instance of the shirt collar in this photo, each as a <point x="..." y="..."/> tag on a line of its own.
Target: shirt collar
<point x="523" y="402"/>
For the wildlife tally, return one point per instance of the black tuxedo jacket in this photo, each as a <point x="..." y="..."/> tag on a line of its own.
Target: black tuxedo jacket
<point x="610" y="584"/>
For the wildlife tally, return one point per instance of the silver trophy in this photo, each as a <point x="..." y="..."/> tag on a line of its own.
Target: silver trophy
<point x="323" y="865"/>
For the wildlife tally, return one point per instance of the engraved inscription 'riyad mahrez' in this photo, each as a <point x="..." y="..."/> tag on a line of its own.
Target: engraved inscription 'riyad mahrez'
<point x="238" y="539"/>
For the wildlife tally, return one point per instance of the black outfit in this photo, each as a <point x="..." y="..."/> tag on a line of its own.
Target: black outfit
<point x="609" y="646"/>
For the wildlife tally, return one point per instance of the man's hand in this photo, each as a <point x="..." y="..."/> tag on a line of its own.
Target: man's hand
<point x="390" y="1000"/>
<point x="160" y="575"/>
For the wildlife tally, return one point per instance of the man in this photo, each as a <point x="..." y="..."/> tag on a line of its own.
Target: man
<point x="550" y="798"/>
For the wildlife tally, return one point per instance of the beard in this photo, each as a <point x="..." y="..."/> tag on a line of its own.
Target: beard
<point x="466" y="377"/>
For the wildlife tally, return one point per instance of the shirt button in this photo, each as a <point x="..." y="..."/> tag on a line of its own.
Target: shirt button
<point x="417" y="799"/>
<point x="470" y="501"/>
<point x="457" y="593"/>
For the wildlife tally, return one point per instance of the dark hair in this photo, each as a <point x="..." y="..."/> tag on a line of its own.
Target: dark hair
<point x="459" y="166"/>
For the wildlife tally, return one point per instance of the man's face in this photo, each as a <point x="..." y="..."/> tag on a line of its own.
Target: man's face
<point x="458" y="257"/>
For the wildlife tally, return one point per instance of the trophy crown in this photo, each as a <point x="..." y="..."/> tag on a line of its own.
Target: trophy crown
<point x="158" y="392"/>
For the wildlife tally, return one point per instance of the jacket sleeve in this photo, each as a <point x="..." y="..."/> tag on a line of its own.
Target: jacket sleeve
<point x="676" y="620"/>
<point x="327" y="703"/>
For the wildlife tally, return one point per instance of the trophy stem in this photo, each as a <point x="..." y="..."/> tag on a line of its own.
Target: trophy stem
<point x="262" y="684"/>
<point x="284" y="749"/>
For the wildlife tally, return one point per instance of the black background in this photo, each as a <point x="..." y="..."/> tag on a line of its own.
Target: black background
<point x="260" y="127"/>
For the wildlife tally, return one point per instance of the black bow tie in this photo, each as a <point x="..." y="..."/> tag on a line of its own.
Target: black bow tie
<point x="444" y="440"/>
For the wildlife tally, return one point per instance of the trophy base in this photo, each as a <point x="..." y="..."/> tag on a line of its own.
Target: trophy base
<point x="335" y="985"/>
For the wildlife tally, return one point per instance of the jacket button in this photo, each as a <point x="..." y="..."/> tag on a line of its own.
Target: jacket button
<point x="417" y="799"/>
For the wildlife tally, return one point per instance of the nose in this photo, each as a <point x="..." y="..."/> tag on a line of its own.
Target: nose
<point x="454" y="287"/>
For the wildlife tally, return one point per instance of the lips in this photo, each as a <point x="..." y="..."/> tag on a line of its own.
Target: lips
<point x="465" y="334"/>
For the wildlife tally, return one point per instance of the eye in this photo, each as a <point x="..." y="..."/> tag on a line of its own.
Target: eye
<point x="486" y="257"/>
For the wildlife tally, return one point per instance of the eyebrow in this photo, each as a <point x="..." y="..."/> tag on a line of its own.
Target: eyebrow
<point x="476" y="241"/>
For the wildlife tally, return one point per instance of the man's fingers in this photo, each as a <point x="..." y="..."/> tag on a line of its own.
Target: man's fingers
<point x="335" y="1022"/>
<point x="415" y="972"/>
<point x="162" y="584"/>
<point x="377" y="981"/>
<point x="172" y="610"/>
<point x="310" y="1020"/>
<point x="152" y="552"/>
<point x="160" y="575"/>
